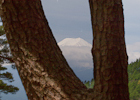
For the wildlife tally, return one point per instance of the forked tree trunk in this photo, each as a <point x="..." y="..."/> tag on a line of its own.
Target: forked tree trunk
<point x="44" y="71"/>
<point x="109" y="50"/>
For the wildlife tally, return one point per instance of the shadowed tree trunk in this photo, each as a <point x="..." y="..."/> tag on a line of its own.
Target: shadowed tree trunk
<point x="44" y="71"/>
<point x="109" y="50"/>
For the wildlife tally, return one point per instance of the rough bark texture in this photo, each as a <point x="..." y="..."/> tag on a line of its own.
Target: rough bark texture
<point x="109" y="50"/>
<point x="44" y="71"/>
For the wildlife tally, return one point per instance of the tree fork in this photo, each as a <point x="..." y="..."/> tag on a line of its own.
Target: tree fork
<point x="44" y="71"/>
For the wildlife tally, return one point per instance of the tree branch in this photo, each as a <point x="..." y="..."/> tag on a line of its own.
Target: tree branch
<point x="8" y="58"/>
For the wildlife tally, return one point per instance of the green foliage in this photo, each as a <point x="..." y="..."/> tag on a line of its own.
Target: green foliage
<point x="92" y="83"/>
<point x="133" y="77"/>
<point x="134" y="80"/>
<point x="7" y="88"/>
<point x="2" y="68"/>
<point x="1" y="30"/>
<point x="4" y="75"/>
<point x="89" y="84"/>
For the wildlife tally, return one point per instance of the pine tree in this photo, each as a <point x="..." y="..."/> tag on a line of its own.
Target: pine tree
<point x="134" y="80"/>
<point x="5" y="57"/>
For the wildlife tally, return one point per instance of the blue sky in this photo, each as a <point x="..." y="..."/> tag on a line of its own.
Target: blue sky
<point x="71" y="18"/>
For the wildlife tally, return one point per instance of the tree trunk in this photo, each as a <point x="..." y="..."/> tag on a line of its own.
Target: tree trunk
<point x="44" y="71"/>
<point x="109" y="50"/>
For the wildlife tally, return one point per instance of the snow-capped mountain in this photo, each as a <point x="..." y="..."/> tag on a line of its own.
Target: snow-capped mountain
<point x="74" y="42"/>
<point x="78" y="54"/>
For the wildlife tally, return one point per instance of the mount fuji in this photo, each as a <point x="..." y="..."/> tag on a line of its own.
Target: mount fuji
<point x="74" y="42"/>
<point x="78" y="55"/>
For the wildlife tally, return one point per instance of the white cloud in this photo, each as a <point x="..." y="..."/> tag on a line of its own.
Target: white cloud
<point x="133" y="47"/>
<point x="80" y="56"/>
<point x="133" y="56"/>
<point x="133" y="51"/>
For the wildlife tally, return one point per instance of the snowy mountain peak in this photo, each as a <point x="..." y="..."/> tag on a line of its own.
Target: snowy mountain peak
<point x="74" y="42"/>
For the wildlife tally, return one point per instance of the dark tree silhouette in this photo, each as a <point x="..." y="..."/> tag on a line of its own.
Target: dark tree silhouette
<point x="109" y="50"/>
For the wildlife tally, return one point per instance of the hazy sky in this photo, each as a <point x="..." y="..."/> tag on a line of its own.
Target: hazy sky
<point x="71" y="18"/>
<point x="68" y="18"/>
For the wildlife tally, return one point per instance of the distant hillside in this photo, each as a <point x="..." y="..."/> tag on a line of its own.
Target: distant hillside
<point x="134" y="80"/>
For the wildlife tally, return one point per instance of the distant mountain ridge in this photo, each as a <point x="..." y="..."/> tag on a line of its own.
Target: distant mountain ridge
<point x="74" y="42"/>
<point x="78" y="54"/>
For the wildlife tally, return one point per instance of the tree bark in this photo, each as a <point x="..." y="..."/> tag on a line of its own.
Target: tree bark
<point x="44" y="71"/>
<point x="109" y="50"/>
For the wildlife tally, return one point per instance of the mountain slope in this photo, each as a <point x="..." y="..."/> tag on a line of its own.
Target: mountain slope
<point x="78" y="54"/>
<point x="74" y="42"/>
